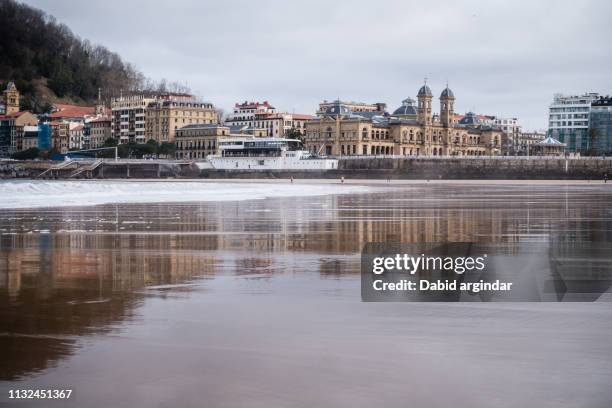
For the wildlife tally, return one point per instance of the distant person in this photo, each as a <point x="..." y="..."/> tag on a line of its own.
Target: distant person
<point x="605" y="178"/>
<point x="342" y="179"/>
<point x="291" y="179"/>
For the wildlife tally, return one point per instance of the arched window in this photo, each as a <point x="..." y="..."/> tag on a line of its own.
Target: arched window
<point x="364" y="133"/>
<point x="329" y="132"/>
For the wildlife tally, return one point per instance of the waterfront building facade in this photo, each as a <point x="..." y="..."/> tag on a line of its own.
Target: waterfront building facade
<point x="244" y="114"/>
<point x="568" y="120"/>
<point x="525" y="140"/>
<point x="600" y="126"/>
<point x="144" y="116"/>
<point x="197" y="141"/>
<point x="412" y="130"/>
<point x="30" y="137"/>
<point x="263" y="116"/>
<point x="547" y="147"/>
<point x="511" y="130"/>
<point x="128" y="117"/>
<point x="77" y="140"/>
<point x="98" y="130"/>
<point x="164" y="117"/>
<point x="60" y="136"/>
<point x="12" y="131"/>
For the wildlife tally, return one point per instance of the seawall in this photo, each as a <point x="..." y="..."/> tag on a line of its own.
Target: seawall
<point x="360" y="168"/>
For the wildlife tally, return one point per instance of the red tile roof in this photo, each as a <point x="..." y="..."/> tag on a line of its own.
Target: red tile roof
<point x="72" y="111"/>
<point x="14" y="115"/>
<point x="301" y="116"/>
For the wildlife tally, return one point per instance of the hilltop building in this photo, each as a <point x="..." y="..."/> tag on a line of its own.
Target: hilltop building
<point x="412" y="130"/>
<point x="10" y="97"/>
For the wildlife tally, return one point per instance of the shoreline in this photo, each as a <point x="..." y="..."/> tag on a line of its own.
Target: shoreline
<point x="327" y="181"/>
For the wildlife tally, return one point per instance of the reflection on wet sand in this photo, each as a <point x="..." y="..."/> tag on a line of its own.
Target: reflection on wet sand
<point x="72" y="274"/>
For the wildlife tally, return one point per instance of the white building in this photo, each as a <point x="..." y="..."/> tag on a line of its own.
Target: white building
<point x="256" y="115"/>
<point x="511" y="130"/>
<point x="77" y="141"/>
<point x="568" y="120"/>
<point x="244" y="113"/>
<point x="526" y="139"/>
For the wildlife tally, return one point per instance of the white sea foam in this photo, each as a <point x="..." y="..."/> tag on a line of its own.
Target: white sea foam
<point x="41" y="193"/>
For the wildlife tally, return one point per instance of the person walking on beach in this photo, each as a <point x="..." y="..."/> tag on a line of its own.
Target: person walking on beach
<point x="605" y="178"/>
<point x="291" y="179"/>
<point x="342" y="179"/>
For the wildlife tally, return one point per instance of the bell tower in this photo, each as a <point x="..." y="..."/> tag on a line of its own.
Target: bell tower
<point x="424" y="98"/>
<point x="100" y="106"/>
<point x="11" y="98"/>
<point x="447" y="107"/>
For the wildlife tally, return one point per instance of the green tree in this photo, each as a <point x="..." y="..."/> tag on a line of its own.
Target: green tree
<point x="167" y="149"/>
<point x="28" y="154"/>
<point x="593" y="135"/>
<point x="110" y="142"/>
<point x="294" y="133"/>
<point x="152" y="146"/>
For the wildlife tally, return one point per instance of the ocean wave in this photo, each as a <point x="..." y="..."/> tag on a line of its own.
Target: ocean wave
<point x="43" y="193"/>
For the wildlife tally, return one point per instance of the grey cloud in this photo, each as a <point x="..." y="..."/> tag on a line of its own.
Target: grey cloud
<point x="504" y="58"/>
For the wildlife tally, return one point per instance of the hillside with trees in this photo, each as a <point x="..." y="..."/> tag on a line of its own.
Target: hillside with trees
<point x="48" y="62"/>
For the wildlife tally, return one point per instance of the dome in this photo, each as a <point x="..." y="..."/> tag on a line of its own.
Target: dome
<point x="471" y="119"/>
<point x="447" y="93"/>
<point x="337" y="108"/>
<point x="425" y="91"/>
<point x="407" y="108"/>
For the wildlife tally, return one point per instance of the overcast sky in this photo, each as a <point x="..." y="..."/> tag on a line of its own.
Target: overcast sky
<point x="500" y="58"/>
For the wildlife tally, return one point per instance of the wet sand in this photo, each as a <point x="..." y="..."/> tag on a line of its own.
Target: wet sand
<point x="257" y="302"/>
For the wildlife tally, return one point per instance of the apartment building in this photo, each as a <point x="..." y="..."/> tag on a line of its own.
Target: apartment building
<point x="98" y="130"/>
<point x="263" y="116"/>
<point x="164" y="117"/>
<point x="511" y="130"/>
<point x="568" y="120"/>
<point x="12" y="131"/>
<point x="128" y="117"/>
<point x="600" y="126"/>
<point x="60" y="136"/>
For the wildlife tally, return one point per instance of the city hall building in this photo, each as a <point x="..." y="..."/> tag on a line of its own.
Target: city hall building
<point x="411" y="130"/>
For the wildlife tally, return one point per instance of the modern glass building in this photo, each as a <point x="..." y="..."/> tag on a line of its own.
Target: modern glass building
<point x="600" y="126"/>
<point x="44" y="136"/>
<point x="568" y="120"/>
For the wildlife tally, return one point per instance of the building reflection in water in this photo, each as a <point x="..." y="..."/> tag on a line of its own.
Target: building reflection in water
<point x="72" y="272"/>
